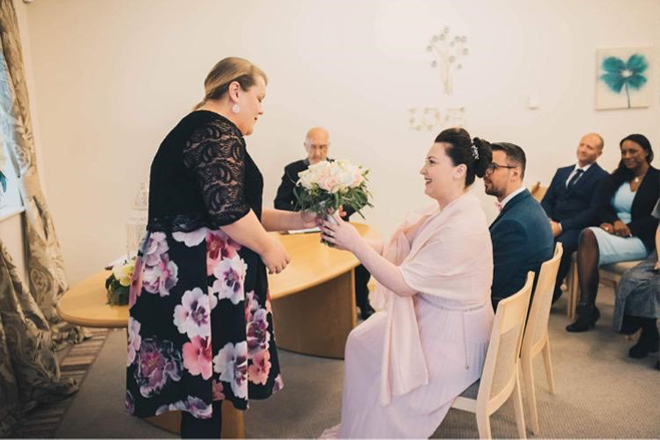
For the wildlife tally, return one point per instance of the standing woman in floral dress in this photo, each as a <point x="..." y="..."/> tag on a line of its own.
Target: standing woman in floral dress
<point x="200" y="328"/>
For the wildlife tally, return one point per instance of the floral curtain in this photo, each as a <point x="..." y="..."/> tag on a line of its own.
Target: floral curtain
<point x="30" y="329"/>
<point x="29" y="374"/>
<point x="46" y="277"/>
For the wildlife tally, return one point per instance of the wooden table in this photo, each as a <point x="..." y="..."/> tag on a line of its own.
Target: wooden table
<point x="313" y="304"/>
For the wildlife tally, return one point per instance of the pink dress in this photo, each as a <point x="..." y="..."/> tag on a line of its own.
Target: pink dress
<point x="407" y="363"/>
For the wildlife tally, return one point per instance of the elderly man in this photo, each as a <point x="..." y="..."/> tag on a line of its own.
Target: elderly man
<point x="521" y="234"/>
<point x="317" y="143"/>
<point x="570" y="202"/>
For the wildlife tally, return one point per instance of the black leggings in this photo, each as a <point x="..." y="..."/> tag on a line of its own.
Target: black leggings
<point x="192" y="427"/>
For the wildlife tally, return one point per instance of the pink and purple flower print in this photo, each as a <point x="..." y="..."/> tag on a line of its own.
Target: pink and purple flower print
<point x="198" y="357"/>
<point x="194" y="405"/>
<point x="258" y="371"/>
<point x="193" y="315"/>
<point x="134" y="340"/>
<point x="157" y="364"/>
<point x="257" y="335"/>
<point x="230" y="276"/>
<point x="218" y="247"/>
<point x="232" y="365"/>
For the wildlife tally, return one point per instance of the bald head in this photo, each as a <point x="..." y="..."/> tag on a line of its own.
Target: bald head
<point x="589" y="149"/>
<point x="317" y="144"/>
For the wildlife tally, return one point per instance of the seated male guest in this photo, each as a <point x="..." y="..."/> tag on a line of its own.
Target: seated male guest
<point x="521" y="234"/>
<point x="317" y="144"/>
<point x="570" y="201"/>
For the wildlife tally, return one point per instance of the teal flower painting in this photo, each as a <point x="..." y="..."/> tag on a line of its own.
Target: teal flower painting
<point x="623" y="77"/>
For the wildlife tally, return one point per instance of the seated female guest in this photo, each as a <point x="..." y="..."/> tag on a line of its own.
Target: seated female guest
<point x="405" y="365"/>
<point x="638" y="301"/>
<point x="200" y="330"/>
<point x="626" y="229"/>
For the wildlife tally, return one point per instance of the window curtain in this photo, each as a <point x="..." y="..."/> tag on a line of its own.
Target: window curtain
<point x="46" y="277"/>
<point x="29" y="374"/>
<point x="30" y="329"/>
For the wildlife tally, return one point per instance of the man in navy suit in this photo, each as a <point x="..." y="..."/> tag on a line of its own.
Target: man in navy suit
<point x="521" y="234"/>
<point x="570" y="201"/>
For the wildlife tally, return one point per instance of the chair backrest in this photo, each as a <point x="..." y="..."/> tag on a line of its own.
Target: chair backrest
<point x="538" y="191"/>
<point x="539" y="313"/>
<point x="501" y="364"/>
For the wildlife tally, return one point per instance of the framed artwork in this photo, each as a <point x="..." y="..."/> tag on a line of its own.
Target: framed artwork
<point x="624" y="77"/>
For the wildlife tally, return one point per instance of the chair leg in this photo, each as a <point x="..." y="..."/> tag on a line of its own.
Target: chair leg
<point x="530" y="392"/>
<point x="547" y="360"/>
<point x="518" y="407"/>
<point x="483" y="424"/>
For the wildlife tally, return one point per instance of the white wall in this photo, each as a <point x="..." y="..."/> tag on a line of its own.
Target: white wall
<point x="113" y="77"/>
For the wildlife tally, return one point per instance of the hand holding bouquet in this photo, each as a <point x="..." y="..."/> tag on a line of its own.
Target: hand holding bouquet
<point x="326" y="187"/>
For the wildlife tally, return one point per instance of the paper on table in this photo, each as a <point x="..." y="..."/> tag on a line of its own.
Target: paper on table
<point x="304" y="231"/>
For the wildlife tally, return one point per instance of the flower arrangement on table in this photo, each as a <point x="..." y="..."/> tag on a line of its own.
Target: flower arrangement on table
<point x="119" y="282"/>
<point x="325" y="187"/>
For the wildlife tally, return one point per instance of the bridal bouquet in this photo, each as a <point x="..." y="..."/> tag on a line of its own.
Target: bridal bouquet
<point x="326" y="186"/>
<point x="119" y="283"/>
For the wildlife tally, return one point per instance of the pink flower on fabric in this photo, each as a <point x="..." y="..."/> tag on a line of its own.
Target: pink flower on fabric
<point x="157" y="364"/>
<point x="216" y="389"/>
<point x="251" y="305"/>
<point x="197" y="357"/>
<point x="231" y="362"/>
<point x="134" y="339"/>
<point x="194" y="405"/>
<point x="191" y="239"/>
<point x="156" y="247"/>
<point x="135" y="289"/>
<point x="130" y="403"/>
<point x="193" y="315"/>
<point x="161" y="277"/>
<point x="258" y="371"/>
<point x="257" y="335"/>
<point x="278" y="384"/>
<point x="230" y="276"/>
<point x="218" y="247"/>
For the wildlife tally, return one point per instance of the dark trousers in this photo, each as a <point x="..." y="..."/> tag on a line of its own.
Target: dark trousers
<point x="192" y="427"/>
<point x="569" y="240"/>
<point x="362" y="277"/>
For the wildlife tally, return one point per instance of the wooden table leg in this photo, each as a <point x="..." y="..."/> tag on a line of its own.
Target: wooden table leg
<point x="317" y="321"/>
<point x="232" y="421"/>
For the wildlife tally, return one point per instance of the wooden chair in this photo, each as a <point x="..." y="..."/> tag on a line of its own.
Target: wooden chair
<point x="538" y="191"/>
<point x="609" y="274"/>
<point x="536" y="339"/>
<point x="500" y="378"/>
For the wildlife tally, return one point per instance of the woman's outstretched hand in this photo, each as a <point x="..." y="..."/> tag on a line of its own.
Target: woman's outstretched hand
<point x="342" y="235"/>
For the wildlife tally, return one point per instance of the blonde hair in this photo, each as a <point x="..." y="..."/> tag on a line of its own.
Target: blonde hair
<point x="227" y="71"/>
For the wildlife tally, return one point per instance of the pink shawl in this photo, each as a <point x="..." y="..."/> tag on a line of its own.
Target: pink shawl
<point x="450" y="256"/>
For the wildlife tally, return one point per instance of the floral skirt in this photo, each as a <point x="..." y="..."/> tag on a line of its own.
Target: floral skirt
<point x="200" y="326"/>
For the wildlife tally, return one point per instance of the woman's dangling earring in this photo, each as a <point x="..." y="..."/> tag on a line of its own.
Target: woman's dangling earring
<point x="235" y="108"/>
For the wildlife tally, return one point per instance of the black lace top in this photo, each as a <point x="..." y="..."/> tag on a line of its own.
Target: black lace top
<point x="202" y="175"/>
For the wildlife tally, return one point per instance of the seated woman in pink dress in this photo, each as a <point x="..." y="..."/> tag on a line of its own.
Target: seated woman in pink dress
<point x="406" y="364"/>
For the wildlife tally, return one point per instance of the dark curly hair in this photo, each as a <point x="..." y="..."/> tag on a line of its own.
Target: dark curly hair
<point x="461" y="151"/>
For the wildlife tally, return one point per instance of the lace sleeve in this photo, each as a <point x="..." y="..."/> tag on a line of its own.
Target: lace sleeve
<point x="215" y="154"/>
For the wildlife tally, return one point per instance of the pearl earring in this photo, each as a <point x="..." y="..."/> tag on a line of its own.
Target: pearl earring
<point x="235" y="108"/>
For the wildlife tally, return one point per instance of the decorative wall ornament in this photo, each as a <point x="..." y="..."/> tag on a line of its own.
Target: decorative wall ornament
<point x="623" y="75"/>
<point x="447" y="53"/>
<point x="434" y="118"/>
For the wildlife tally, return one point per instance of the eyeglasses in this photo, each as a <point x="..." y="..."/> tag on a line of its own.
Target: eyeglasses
<point x="494" y="167"/>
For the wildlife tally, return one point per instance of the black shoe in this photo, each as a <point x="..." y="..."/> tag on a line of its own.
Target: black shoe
<point x="585" y="320"/>
<point x="648" y="343"/>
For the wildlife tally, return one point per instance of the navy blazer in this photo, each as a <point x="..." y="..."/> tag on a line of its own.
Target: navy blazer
<point x="522" y="241"/>
<point x="574" y="208"/>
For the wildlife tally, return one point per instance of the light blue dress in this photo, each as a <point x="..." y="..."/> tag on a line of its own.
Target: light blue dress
<point x="613" y="248"/>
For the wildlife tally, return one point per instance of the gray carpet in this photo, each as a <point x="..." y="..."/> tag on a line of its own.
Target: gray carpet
<point x="601" y="393"/>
